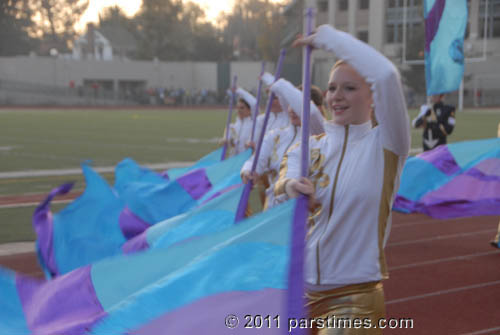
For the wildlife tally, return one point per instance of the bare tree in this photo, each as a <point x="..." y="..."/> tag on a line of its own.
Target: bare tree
<point x="254" y="28"/>
<point x="15" y="22"/>
<point x="56" y="20"/>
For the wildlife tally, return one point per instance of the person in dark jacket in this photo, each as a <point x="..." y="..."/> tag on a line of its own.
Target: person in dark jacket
<point x="437" y="121"/>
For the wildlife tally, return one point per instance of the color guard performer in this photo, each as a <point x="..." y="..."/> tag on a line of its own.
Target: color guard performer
<point x="277" y="141"/>
<point x="353" y="176"/>
<point x="240" y="130"/>
<point x="279" y="116"/>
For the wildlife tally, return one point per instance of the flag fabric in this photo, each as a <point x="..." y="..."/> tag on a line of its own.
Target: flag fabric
<point x="445" y="24"/>
<point x="209" y="217"/>
<point x="207" y="160"/>
<point x="160" y="200"/>
<point x="210" y="284"/>
<point x="102" y="219"/>
<point x="454" y="180"/>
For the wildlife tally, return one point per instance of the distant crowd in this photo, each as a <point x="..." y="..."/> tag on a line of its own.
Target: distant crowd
<point x="180" y="96"/>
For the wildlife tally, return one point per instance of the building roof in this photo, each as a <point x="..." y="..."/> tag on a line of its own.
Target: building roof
<point x="119" y="37"/>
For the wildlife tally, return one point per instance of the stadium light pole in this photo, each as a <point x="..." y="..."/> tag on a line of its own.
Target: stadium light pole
<point x="53" y="54"/>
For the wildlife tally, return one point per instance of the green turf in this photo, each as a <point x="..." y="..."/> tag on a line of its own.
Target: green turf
<point x="15" y="223"/>
<point x="18" y="186"/>
<point x="471" y="125"/>
<point x="56" y="139"/>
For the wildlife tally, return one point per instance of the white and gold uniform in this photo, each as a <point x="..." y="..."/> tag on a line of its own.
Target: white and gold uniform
<point x="291" y="97"/>
<point x="239" y="133"/>
<point x="240" y="130"/>
<point x="355" y="170"/>
<point x="276" y="142"/>
<point x="276" y="120"/>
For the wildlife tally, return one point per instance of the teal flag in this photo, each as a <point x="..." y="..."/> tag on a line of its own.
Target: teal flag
<point x="445" y="23"/>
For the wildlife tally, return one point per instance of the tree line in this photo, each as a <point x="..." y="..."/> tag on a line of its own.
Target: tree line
<point x="168" y="30"/>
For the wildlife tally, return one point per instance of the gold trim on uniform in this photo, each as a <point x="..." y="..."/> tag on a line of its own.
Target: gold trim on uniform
<point x="279" y="188"/>
<point x="315" y="213"/>
<point x="232" y="141"/>
<point x="358" y="301"/>
<point x="316" y="174"/>
<point x="390" y="170"/>
<point x="319" y="136"/>
<point x="274" y="155"/>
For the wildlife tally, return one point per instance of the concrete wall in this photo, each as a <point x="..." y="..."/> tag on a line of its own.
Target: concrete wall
<point x="248" y="72"/>
<point x="188" y="75"/>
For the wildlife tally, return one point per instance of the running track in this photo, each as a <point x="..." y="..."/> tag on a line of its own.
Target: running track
<point x="443" y="274"/>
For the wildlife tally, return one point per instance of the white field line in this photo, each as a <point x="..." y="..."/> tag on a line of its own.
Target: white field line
<point x="16" y="248"/>
<point x="34" y="204"/>
<point x="66" y="172"/>
<point x="444" y="260"/>
<point x="442" y="237"/>
<point x="485" y="331"/>
<point x="442" y="292"/>
<point x="429" y="221"/>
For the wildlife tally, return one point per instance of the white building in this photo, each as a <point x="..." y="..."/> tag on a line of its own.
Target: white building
<point x="92" y="45"/>
<point x="381" y="23"/>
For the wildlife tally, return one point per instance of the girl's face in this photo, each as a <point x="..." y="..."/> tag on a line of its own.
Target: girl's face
<point x="243" y="110"/>
<point x="349" y="98"/>
<point x="276" y="106"/>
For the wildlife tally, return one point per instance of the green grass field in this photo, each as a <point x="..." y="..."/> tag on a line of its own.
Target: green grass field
<point x="34" y="139"/>
<point x="56" y="139"/>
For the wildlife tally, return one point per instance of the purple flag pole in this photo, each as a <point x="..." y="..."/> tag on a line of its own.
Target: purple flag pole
<point x="228" y="122"/>
<point x="295" y="300"/>
<point x="257" y="104"/>
<point x="242" y="205"/>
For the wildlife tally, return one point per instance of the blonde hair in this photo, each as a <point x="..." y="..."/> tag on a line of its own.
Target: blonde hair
<point x="372" y="113"/>
<point x="337" y="64"/>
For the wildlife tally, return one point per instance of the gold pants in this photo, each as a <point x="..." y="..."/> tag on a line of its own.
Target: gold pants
<point x="344" y="305"/>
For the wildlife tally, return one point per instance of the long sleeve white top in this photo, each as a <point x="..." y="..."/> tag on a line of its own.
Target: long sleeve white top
<point x="276" y="121"/>
<point x="239" y="134"/>
<point x="355" y="170"/>
<point x="291" y="97"/>
<point x="276" y="142"/>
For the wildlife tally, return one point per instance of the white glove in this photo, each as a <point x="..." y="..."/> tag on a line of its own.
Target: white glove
<point x="267" y="78"/>
<point x="423" y="110"/>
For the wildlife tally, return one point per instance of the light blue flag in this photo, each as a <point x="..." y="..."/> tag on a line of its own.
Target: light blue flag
<point x="209" y="283"/>
<point x="445" y="23"/>
<point x="455" y="180"/>
<point x="207" y="160"/>
<point x="99" y="222"/>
